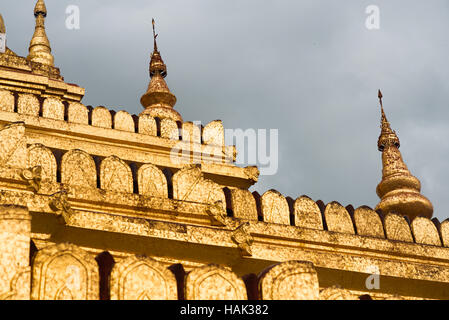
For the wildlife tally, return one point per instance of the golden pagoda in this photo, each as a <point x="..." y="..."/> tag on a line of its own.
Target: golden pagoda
<point x="92" y="207"/>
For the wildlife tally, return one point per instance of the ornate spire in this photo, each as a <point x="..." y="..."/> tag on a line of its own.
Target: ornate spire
<point x="399" y="190"/>
<point x="158" y="101"/>
<point x="387" y="136"/>
<point x="2" y="25"/>
<point x="40" y="50"/>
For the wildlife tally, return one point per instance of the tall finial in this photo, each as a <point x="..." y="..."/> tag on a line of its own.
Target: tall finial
<point x="40" y="50"/>
<point x="157" y="65"/>
<point x="383" y="120"/>
<point x="399" y="190"/>
<point x="379" y="95"/>
<point x="154" y="35"/>
<point x="158" y="101"/>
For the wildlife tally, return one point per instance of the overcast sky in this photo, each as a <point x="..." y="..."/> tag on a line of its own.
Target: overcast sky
<point x="308" y="68"/>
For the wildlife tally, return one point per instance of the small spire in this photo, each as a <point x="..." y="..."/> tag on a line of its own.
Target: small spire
<point x="398" y="190"/>
<point x="387" y="136"/>
<point x="157" y="65"/>
<point x="158" y="101"/>
<point x="2" y="25"/>
<point x="40" y="50"/>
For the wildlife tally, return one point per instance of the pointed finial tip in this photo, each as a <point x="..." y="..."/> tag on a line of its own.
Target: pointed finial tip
<point x="156" y="63"/>
<point x="154" y="34"/>
<point x="154" y="29"/>
<point x="379" y="95"/>
<point x="40" y="8"/>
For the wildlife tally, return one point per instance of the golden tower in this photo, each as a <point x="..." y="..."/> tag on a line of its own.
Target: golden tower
<point x="158" y="101"/>
<point x="40" y="50"/>
<point x="399" y="190"/>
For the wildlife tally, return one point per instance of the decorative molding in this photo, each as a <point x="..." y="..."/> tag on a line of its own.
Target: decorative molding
<point x="242" y="237"/>
<point x="33" y="176"/>
<point x="240" y="231"/>
<point x="60" y="204"/>
<point x="217" y="214"/>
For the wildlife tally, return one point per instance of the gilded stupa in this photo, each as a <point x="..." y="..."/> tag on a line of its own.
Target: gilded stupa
<point x="399" y="190"/>
<point x="40" y="50"/>
<point x="158" y="101"/>
<point x="92" y="206"/>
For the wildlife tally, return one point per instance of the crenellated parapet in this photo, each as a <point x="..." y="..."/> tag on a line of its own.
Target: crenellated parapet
<point x="118" y="182"/>
<point x="210" y="137"/>
<point x="75" y="112"/>
<point x="65" y="125"/>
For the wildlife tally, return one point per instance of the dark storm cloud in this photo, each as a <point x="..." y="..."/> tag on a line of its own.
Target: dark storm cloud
<point x="308" y="68"/>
